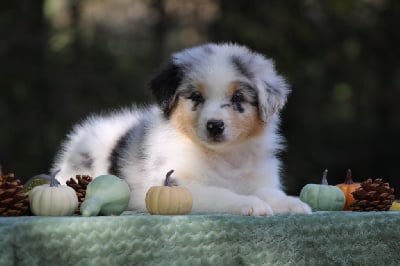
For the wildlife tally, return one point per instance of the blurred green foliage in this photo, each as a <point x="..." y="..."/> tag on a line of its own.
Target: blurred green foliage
<point x="62" y="60"/>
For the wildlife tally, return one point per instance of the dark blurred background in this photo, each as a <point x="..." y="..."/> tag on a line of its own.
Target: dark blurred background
<point x="61" y="60"/>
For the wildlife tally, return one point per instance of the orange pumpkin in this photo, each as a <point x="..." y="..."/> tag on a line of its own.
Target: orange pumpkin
<point x="348" y="187"/>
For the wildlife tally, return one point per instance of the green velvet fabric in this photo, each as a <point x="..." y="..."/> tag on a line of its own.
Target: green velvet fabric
<point x="323" y="238"/>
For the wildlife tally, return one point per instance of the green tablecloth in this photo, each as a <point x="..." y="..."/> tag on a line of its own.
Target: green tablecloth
<point x="323" y="238"/>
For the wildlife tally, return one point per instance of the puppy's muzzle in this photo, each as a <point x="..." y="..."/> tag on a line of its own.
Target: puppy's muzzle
<point x="215" y="128"/>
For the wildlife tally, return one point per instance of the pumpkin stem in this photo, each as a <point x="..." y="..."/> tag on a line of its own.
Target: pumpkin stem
<point x="53" y="181"/>
<point x="167" y="178"/>
<point x="349" y="179"/>
<point x="324" y="179"/>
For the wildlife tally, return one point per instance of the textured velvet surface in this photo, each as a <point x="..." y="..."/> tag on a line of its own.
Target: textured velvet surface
<point x="323" y="238"/>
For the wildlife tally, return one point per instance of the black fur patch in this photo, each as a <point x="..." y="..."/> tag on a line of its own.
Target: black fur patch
<point x="116" y="153"/>
<point x="241" y="66"/>
<point x="164" y="85"/>
<point x="134" y="137"/>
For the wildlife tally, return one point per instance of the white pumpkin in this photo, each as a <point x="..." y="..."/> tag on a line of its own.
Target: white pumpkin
<point x="53" y="199"/>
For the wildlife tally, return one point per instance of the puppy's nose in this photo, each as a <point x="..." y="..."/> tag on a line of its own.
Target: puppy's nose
<point x="215" y="127"/>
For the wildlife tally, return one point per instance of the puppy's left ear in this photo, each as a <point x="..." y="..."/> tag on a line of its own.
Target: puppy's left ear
<point x="164" y="85"/>
<point x="273" y="92"/>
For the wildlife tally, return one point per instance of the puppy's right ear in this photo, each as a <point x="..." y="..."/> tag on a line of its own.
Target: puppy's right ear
<point x="164" y="85"/>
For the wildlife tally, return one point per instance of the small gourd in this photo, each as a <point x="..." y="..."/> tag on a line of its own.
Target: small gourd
<point x="169" y="200"/>
<point x="106" y="195"/>
<point x="348" y="186"/>
<point x="323" y="197"/>
<point x="53" y="199"/>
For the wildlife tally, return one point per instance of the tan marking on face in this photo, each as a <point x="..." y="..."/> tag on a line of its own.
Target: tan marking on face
<point x="182" y="119"/>
<point x="258" y="125"/>
<point x="247" y="124"/>
<point x="185" y="120"/>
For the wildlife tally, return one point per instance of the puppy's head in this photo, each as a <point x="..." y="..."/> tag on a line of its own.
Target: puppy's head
<point x="219" y="95"/>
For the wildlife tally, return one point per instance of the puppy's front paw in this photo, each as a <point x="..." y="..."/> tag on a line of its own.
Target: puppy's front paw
<point x="255" y="207"/>
<point x="290" y="204"/>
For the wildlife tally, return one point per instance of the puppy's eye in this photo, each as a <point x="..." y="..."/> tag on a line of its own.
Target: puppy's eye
<point x="196" y="97"/>
<point x="237" y="97"/>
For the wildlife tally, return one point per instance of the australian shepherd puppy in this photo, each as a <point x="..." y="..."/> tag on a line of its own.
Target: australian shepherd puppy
<point x="215" y="124"/>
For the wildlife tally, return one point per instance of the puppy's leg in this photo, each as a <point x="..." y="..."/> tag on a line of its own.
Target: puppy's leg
<point x="281" y="203"/>
<point x="220" y="200"/>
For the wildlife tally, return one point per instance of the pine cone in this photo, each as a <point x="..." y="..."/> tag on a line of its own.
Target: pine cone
<point x="80" y="187"/>
<point x="13" y="200"/>
<point x="373" y="196"/>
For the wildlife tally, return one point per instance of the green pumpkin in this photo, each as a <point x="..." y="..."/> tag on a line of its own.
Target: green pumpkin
<point x="106" y="195"/>
<point x="323" y="197"/>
